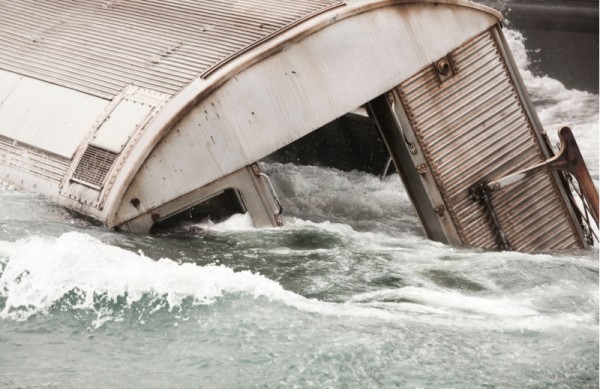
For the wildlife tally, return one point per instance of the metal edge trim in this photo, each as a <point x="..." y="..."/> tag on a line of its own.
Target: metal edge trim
<point x="536" y="127"/>
<point x="259" y="42"/>
<point x="363" y="8"/>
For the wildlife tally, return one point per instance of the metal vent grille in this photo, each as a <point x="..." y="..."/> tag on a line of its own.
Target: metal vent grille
<point x="99" y="47"/>
<point x="472" y="128"/>
<point x="94" y="166"/>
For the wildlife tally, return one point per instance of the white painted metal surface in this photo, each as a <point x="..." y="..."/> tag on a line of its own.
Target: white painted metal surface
<point x="102" y="153"/>
<point x="46" y="116"/>
<point x="147" y="111"/>
<point x="294" y="91"/>
<point x="120" y="125"/>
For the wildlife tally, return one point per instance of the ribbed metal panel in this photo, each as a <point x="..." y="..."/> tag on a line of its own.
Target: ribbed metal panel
<point x="93" y="166"/>
<point x="472" y="127"/>
<point x="32" y="160"/>
<point x="99" y="47"/>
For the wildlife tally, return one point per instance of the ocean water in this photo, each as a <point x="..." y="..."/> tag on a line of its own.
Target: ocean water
<point x="348" y="294"/>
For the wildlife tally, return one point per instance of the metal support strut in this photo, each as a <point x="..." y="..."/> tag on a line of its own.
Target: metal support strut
<point x="277" y="213"/>
<point x="386" y="169"/>
<point x="568" y="160"/>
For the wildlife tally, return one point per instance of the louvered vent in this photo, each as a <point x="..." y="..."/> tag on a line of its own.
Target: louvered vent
<point x="472" y="127"/>
<point x="94" y="166"/>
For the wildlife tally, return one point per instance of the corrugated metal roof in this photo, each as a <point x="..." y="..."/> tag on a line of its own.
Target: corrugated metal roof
<point x="32" y="160"/>
<point x="99" y="47"/>
<point x="472" y="128"/>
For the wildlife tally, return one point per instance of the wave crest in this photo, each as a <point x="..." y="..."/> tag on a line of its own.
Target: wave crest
<point x="76" y="268"/>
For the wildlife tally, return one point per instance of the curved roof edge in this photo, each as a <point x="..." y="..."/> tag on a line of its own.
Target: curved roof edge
<point x="347" y="9"/>
<point x="201" y="88"/>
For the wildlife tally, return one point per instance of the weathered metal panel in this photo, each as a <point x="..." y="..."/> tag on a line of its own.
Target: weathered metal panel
<point x="255" y="193"/>
<point x="99" y="47"/>
<point x="293" y="92"/>
<point x="126" y="117"/>
<point x="8" y="82"/>
<point x="31" y="160"/>
<point x="46" y="116"/>
<point x="420" y="186"/>
<point x="103" y="151"/>
<point x="472" y="127"/>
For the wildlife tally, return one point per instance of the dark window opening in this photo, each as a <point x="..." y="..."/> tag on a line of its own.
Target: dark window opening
<point x="216" y="209"/>
<point x="350" y="142"/>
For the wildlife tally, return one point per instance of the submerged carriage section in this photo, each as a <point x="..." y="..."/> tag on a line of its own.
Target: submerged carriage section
<point x="466" y="120"/>
<point x="81" y="82"/>
<point x="139" y="114"/>
<point x="330" y="65"/>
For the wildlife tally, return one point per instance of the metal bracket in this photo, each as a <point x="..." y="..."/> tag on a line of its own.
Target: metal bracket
<point x="440" y="211"/>
<point x="569" y="160"/>
<point x="279" y="211"/>
<point x="482" y="193"/>
<point x="392" y="101"/>
<point x="444" y="68"/>
<point x="386" y="168"/>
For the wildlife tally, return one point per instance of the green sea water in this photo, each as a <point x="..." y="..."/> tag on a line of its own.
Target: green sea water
<point x="348" y="294"/>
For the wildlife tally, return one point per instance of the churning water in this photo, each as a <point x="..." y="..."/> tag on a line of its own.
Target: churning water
<point x="349" y="294"/>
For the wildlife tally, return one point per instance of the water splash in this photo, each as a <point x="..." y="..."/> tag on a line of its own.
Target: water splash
<point x="39" y="271"/>
<point x="558" y="106"/>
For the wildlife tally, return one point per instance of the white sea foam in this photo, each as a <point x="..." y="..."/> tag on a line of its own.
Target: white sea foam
<point x="558" y="106"/>
<point x="235" y="223"/>
<point x="39" y="271"/>
<point x="455" y="301"/>
<point x="5" y="186"/>
<point x="441" y="307"/>
<point x="354" y="198"/>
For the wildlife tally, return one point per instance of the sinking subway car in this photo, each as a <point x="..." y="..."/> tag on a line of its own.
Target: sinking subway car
<point x="132" y="112"/>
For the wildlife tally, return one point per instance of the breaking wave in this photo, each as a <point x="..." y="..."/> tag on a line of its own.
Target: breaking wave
<point x="77" y="272"/>
<point x="558" y="106"/>
<point x="38" y="272"/>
